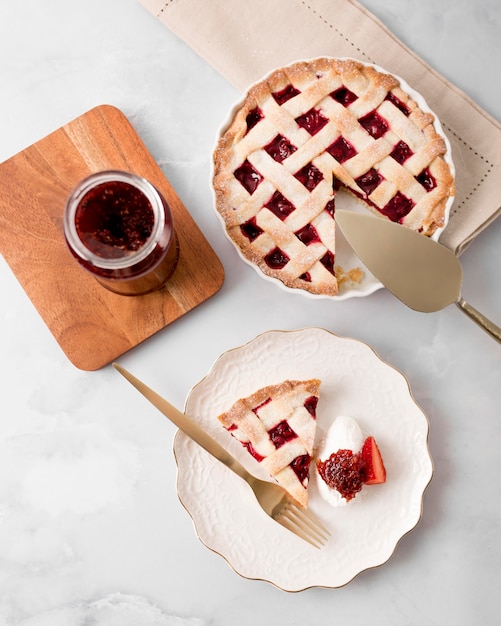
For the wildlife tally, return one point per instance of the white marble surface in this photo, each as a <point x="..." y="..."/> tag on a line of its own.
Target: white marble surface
<point x="91" y="529"/>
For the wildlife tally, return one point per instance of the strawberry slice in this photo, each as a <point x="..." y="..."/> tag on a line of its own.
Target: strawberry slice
<point x="375" y="472"/>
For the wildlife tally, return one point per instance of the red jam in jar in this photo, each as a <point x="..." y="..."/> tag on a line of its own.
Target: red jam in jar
<point x="119" y="228"/>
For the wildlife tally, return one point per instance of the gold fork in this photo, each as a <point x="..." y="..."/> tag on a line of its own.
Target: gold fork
<point x="272" y="498"/>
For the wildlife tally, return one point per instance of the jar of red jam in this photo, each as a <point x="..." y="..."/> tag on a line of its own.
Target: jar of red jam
<point x="119" y="228"/>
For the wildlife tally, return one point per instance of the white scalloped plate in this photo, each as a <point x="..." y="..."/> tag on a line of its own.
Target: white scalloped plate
<point x="345" y="256"/>
<point x="355" y="382"/>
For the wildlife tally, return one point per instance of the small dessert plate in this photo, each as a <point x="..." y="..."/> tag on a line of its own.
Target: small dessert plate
<point x="355" y="382"/>
<point x="355" y="280"/>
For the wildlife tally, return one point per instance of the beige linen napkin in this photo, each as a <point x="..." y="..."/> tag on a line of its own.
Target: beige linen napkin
<point x="245" y="40"/>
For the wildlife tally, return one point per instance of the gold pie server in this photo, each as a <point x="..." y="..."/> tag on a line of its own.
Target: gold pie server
<point x="423" y="274"/>
<point x="273" y="499"/>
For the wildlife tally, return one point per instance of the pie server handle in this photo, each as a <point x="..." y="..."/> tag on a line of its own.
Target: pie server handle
<point x="492" y="329"/>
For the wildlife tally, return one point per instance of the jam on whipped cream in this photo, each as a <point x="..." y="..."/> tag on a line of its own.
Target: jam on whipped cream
<point x="347" y="462"/>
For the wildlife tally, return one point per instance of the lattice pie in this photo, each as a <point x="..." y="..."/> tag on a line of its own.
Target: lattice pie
<point x="277" y="425"/>
<point x="304" y="132"/>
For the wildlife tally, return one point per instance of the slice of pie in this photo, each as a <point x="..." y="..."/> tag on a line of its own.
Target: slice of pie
<point x="277" y="425"/>
<point x="303" y="133"/>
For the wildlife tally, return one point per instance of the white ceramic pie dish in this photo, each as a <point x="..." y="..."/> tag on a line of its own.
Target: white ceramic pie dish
<point x="355" y="382"/>
<point x="345" y="256"/>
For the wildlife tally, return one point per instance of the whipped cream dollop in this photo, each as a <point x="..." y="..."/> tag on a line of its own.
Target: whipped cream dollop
<point x="344" y="434"/>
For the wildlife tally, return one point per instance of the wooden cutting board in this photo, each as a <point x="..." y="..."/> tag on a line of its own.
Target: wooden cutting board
<point x="92" y="325"/>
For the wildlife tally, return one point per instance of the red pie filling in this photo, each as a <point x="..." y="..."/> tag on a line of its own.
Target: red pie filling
<point x="280" y="148"/>
<point x="369" y="181"/>
<point x="281" y="433"/>
<point x="276" y="259"/>
<point x="247" y="445"/>
<point x="310" y="405"/>
<point x="285" y="94"/>
<point x="251" y="450"/>
<point x="401" y="152"/>
<point x="301" y="467"/>
<point x="344" y="96"/>
<point x="308" y="234"/>
<point x="313" y="121"/>
<point x="309" y="176"/>
<point x="253" y="117"/>
<point x="398" y="207"/>
<point x="330" y="208"/>
<point x="251" y="230"/>
<point x="248" y="177"/>
<point x="391" y="97"/>
<point x="328" y="261"/>
<point x="374" y="124"/>
<point x="279" y="205"/>
<point x="341" y="150"/>
<point x="259" y="406"/>
<point x="427" y="180"/>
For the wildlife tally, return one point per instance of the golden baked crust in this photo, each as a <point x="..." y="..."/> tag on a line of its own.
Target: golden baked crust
<point x="303" y="132"/>
<point x="277" y="425"/>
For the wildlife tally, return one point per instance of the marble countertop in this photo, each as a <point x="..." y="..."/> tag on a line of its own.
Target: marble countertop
<point x="91" y="528"/>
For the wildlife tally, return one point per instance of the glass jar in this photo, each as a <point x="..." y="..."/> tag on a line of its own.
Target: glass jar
<point x="119" y="228"/>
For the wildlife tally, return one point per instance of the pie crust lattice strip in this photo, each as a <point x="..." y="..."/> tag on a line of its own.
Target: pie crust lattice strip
<point x="303" y="133"/>
<point x="277" y="426"/>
